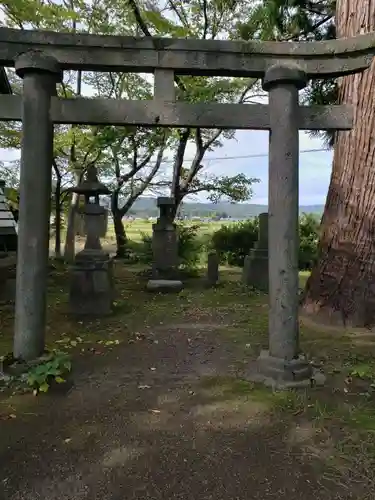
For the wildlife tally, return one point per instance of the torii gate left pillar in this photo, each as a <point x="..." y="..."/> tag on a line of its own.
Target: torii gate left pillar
<point x="40" y="74"/>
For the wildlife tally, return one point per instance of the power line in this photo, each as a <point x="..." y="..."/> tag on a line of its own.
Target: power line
<point x="259" y="155"/>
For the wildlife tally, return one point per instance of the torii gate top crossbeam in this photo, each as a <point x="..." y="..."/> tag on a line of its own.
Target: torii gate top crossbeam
<point x="86" y="52"/>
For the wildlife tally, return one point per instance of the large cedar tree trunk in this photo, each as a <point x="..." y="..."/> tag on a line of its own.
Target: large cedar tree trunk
<point x="341" y="289"/>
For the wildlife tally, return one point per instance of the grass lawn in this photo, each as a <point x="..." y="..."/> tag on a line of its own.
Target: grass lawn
<point x="336" y="423"/>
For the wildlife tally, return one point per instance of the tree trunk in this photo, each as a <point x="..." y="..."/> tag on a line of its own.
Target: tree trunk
<point x="121" y="238"/>
<point x="69" y="249"/>
<point x="58" y="219"/>
<point x="341" y="289"/>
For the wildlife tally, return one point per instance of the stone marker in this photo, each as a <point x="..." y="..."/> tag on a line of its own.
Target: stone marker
<point x="91" y="288"/>
<point x="164" y="242"/>
<point x="255" y="270"/>
<point x="8" y="263"/>
<point x="212" y="269"/>
<point x="164" y="286"/>
<point x="8" y="226"/>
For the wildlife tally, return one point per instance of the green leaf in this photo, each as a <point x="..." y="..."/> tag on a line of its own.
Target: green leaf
<point x="60" y="380"/>
<point x="44" y="387"/>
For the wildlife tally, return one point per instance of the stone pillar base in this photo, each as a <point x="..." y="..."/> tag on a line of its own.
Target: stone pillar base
<point x="171" y="273"/>
<point x="255" y="271"/>
<point x="91" y="288"/>
<point x="164" y="286"/>
<point x="281" y="374"/>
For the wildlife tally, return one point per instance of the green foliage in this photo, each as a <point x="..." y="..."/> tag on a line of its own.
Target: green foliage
<point x="309" y="237"/>
<point x="52" y="369"/>
<point x="189" y="246"/>
<point x="233" y="242"/>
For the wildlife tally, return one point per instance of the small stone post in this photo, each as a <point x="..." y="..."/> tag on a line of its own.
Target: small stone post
<point x="212" y="269"/>
<point x="255" y="270"/>
<point x="91" y="287"/>
<point x="282" y="364"/>
<point x="164" y="242"/>
<point x="40" y="74"/>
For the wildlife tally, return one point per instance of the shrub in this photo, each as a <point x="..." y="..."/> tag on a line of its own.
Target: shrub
<point x="233" y="242"/>
<point x="309" y="238"/>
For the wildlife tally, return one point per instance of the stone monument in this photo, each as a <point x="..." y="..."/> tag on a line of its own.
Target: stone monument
<point x="165" y="249"/>
<point x="91" y="289"/>
<point x="255" y="270"/>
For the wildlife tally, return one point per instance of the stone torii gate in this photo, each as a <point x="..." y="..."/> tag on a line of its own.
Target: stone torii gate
<point x="285" y="68"/>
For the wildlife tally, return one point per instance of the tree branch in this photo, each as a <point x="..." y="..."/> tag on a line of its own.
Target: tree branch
<point x="177" y="165"/>
<point x="140" y="190"/>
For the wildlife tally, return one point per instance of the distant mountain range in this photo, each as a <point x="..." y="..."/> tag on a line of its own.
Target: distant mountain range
<point x="146" y="207"/>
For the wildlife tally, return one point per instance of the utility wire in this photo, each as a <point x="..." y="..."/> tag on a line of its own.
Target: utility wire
<point x="259" y="155"/>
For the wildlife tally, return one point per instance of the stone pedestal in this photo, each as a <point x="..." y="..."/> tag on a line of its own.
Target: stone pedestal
<point x="165" y="243"/>
<point x="91" y="287"/>
<point x="255" y="270"/>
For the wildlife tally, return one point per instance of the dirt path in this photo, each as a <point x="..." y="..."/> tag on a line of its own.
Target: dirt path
<point x="140" y="424"/>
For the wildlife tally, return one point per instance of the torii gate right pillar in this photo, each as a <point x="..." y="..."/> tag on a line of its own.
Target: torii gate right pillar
<point x="282" y="365"/>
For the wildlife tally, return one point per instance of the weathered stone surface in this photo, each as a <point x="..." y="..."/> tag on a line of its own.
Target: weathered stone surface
<point x="91" y="288"/>
<point x="255" y="270"/>
<point x="282" y="374"/>
<point x="212" y="277"/>
<point x="40" y="75"/>
<point x="283" y="219"/>
<point x="164" y="242"/>
<point x="7" y="277"/>
<point x="86" y="52"/>
<point x="164" y="286"/>
<point x="96" y="111"/>
<point x="101" y="221"/>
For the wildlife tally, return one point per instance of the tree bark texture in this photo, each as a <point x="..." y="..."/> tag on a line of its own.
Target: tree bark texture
<point x="341" y="288"/>
<point x="121" y="238"/>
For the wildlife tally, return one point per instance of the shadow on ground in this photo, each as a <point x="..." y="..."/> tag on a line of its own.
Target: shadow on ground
<point x="167" y="414"/>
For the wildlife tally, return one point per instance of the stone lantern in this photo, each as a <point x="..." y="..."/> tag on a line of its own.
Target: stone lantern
<point x="91" y="289"/>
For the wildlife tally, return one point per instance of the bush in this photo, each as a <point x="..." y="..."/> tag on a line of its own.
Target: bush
<point x="233" y="242"/>
<point x="309" y="238"/>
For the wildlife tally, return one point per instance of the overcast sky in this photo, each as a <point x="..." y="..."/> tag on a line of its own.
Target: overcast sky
<point x="315" y="167"/>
